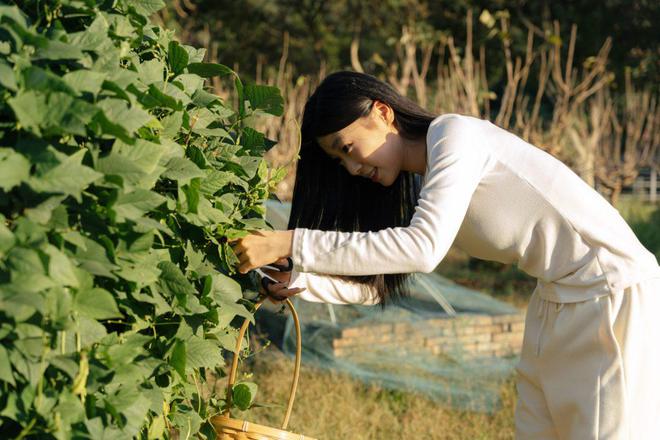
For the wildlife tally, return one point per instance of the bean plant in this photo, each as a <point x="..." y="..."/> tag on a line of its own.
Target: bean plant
<point x="122" y="176"/>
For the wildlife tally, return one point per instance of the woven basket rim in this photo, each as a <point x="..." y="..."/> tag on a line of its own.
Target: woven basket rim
<point x="220" y="421"/>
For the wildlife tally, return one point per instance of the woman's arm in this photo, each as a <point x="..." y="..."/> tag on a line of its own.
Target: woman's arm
<point x="456" y="162"/>
<point x="329" y="289"/>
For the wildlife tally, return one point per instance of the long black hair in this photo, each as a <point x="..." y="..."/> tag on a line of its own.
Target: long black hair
<point x="327" y="197"/>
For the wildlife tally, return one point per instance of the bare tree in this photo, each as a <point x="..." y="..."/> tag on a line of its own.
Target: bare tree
<point x="630" y="141"/>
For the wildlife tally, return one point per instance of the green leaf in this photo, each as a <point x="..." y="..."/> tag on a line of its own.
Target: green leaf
<point x="208" y="70"/>
<point x="177" y="57"/>
<point x="145" y="7"/>
<point x="173" y="283"/>
<point x="250" y="165"/>
<point x="190" y="83"/>
<point x="7" y="239"/>
<point x="90" y="330"/>
<point x="7" y="78"/>
<point x="95" y="37"/>
<point x="195" y="55"/>
<point x="171" y="124"/>
<point x="151" y="71"/>
<point x="182" y="170"/>
<point x="133" y="406"/>
<point x="29" y="108"/>
<point x="202" y="118"/>
<point x="156" y="98"/>
<point x="43" y="212"/>
<point x="70" y="177"/>
<point x="96" y="303"/>
<point x="58" y="307"/>
<point x="14" y="169"/>
<point x="126" y="351"/>
<point x="93" y="258"/>
<point x="85" y="81"/>
<point x="60" y="268"/>
<point x="156" y="428"/>
<point x="202" y="353"/>
<point x="70" y="408"/>
<point x="137" y="164"/>
<point x="36" y="78"/>
<point x="58" y="50"/>
<point x="251" y="139"/>
<point x="202" y="98"/>
<point x="140" y="267"/>
<point x="225" y="289"/>
<point x="74" y="238"/>
<point x="136" y="203"/>
<point x="243" y="394"/>
<point x="178" y="358"/>
<point x="6" y="374"/>
<point x="228" y="311"/>
<point x="266" y="98"/>
<point x="52" y="113"/>
<point x="27" y="267"/>
<point x="117" y="115"/>
<point x="14" y="14"/>
<point x="192" y="195"/>
<point x="206" y="214"/>
<point x="66" y="114"/>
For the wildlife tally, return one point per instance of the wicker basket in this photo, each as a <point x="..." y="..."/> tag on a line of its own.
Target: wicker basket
<point x="234" y="429"/>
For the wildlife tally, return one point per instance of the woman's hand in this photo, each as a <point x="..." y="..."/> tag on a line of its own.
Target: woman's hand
<point x="280" y="292"/>
<point x="262" y="247"/>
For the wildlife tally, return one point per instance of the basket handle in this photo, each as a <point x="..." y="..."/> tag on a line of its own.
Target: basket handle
<point x="296" y="371"/>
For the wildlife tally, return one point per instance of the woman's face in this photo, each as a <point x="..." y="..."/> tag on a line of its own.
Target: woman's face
<point x="369" y="147"/>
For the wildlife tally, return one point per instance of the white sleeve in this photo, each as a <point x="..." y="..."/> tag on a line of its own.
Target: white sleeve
<point x="329" y="289"/>
<point x="456" y="161"/>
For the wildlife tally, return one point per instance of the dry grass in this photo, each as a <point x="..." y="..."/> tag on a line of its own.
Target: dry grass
<point x="333" y="406"/>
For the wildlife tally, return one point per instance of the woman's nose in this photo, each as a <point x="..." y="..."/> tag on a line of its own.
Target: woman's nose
<point x="352" y="167"/>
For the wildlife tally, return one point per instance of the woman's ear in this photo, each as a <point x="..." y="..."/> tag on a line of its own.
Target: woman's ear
<point x="385" y="112"/>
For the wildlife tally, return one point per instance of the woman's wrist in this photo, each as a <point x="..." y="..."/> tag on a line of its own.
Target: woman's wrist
<point x="287" y="243"/>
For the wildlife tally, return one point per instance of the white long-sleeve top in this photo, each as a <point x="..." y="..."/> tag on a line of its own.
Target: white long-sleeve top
<point x="498" y="198"/>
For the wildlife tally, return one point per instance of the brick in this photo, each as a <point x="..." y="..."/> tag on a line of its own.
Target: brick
<point x="508" y="318"/>
<point x="367" y="330"/>
<point x="436" y="350"/>
<point x="342" y="342"/>
<point x="469" y="330"/>
<point x="477" y="319"/>
<point x="352" y="332"/>
<point x="439" y="323"/>
<point x="509" y="337"/>
<point x="492" y="328"/>
<point x="484" y="346"/>
<point x="402" y="329"/>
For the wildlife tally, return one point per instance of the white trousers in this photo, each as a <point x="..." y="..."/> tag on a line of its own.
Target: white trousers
<point x="591" y="369"/>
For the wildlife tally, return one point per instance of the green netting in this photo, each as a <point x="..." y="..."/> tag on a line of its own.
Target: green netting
<point x="393" y="353"/>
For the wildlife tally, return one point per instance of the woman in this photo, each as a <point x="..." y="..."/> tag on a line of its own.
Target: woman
<point x="589" y="366"/>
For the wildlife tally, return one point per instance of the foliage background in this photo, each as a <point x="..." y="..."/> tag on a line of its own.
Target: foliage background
<point x="321" y="31"/>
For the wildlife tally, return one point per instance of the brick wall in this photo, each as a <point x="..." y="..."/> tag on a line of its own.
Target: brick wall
<point x="464" y="335"/>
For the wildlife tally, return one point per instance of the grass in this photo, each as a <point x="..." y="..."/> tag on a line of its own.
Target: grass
<point x="334" y="406"/>
<point x="644" y="219"/>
